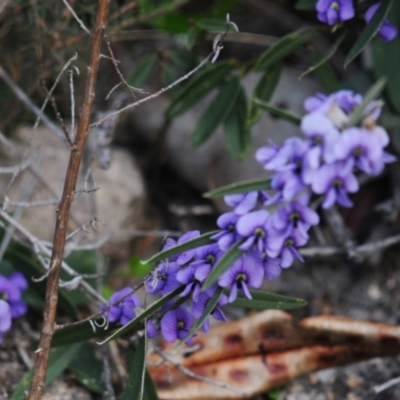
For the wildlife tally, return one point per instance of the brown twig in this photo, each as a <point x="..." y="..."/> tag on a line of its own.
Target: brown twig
<point x="43" y="352"/>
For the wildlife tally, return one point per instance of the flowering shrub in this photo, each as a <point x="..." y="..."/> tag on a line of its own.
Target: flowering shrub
<point x="267" y="227"/>
<point x="335" y="11"/>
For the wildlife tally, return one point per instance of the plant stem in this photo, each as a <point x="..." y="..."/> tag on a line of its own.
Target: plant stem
<point x="42" y="358"/>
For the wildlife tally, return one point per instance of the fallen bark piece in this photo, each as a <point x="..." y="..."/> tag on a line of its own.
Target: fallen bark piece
<point x="265" y="351"/>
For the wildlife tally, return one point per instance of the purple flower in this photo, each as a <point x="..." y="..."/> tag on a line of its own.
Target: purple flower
<point x="387" y="31"/>
<point x="206" y="258"/>
<point x="176" y="324"/>
<point x="122" y="306"/>
<point x="5" y="318"/>
<point x="323" y="134"/>
<point x="163" y="278"/>
<point x="295" y="217"/>
<point x="185" y="276"/>
<point x="245" y="202"/>
<point x="271" y="266"/>
<point x="362" y="148"/>
<point x="151" y="329"/>
<point x="313" y="103"/>
<point x="187" y="255"/>
<point x="332" y="11"/>
<point x="11" y="291"/>
<point x="285" y="248"/>
<point x="254" y="227"/>
<point x="244" y="273"/>
<point x="335" y="181"/>
<point x="197" y="307"/>
<point x="228" y="235"/>
<point x="336" y="106"/>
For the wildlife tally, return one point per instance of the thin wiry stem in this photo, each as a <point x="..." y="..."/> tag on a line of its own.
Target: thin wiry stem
<point x="43" y="352"/>
<point x="73" y="13"/>
<point x="210" y="58"/>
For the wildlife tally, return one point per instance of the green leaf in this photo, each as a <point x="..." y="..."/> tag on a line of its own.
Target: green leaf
<point x="217" y="112"/>
<point x="139" y="318"/>
<point x="237" y="134"/>
<point x="190" y="244"/>
<point x="286" y="115"/>
<point x="59" y="360"/>
<point x="325" y="74"/>
<point x="284" y="46"/>
<point x="150" y="390"/>
<point x="239" y="187"/>
<point x="135" y="385"/>
<point x="198" y="86"/>
<point x="369" y="31"/>
<point x="268" y="301"/>
<point x="88" y="370"/>
<point x="142" y="71"/>
<point x="212" y="303"/>
<point x="137" y="268"/>
<point x="386" y="60"/>
<point x="306" y="5"/>
<point x="390" y="121"/>
<point x="264" y="91"/>
<point x="83" y="262"/>
<point x="212" y="25"/>
<point x="223" y="264"/>
<point x="373" y="93"/>
<point x="327" y="56"/>
<point x="80" y="333"/>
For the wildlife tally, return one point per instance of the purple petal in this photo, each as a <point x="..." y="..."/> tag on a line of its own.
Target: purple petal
<point x="169" y="327"/>
<point x="233" y="294"/>
<point x="5" y="316"/>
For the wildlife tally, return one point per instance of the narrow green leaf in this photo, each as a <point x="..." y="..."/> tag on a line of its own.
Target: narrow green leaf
<point x="80" y="333"/>
<point x="369" y="31"/>
<point x="386" y="60"/>
<point x="212" y="25"/>
<point x="373" y="93"/>
<point x="190" y="244"/>
<point x="135" y="385"/>
<point x="59" y="360"/>
<point x="237" y="134"/>
<point x="239" y="187"/>
<point x="325" y="75"/>
<point x="286" y="115"/>
<point x="142" y="71"/>
<point x="284" y="46"/>
<point x="150" y="390"/>
<point x="268" y="301"/>
<point x="223" y="264"/>
<point x="390" y="121"/>
<point x="264" y="91"/>
<point x="146" y="313"/>
<point x="305" y="5"/>
<point x="217" y="112"/>
<point x="326" y="57"/>
<point x="199" y="85"/>
<point x="88" y="370"/>
<point x="212" y="303"/>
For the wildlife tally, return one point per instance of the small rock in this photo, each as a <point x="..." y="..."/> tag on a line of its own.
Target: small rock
<point x="120" y="201"/>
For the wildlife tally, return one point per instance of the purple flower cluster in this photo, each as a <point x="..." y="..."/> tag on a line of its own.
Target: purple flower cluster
<point x="332" y="154"/>
<point x="11" y="302"/>
<point x="335" y="11"/>
<point x="122" y="305"/>
<point x="268" y="227"/>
